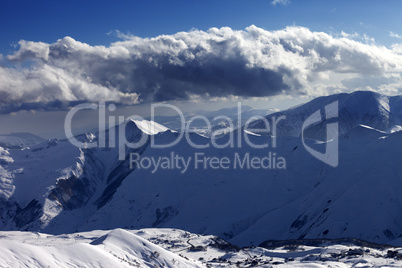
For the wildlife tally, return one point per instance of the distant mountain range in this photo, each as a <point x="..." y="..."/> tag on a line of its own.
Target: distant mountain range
<point x="19" y="140"/>
<point x="55" y="187"/>
<point x="238" y="116"/>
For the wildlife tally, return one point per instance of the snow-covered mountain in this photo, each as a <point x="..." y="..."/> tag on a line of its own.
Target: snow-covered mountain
<point x="357" y="108"/>
<point x="157" y="247"/>
<point x="19" y="140"/>
<point x="55" y="187"/>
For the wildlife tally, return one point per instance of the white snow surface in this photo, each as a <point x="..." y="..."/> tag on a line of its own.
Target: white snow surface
<point x="149" y="127"/>
<point x="176" y="249"/>
<point x="115" y="248"/>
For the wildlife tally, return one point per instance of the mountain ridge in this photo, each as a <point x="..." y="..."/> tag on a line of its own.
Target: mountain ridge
<point x="358" y="108"/>
<point x="57" y="188"/>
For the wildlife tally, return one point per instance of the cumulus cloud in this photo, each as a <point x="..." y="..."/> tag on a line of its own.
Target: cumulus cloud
<point x="218" y="63"/>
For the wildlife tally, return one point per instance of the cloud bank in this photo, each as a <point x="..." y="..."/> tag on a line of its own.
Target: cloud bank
<point x="218" y="63"/>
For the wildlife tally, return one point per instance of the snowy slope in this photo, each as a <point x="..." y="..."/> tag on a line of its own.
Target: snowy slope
<point x="116" y="248"/>
<point x="176" y="248"/>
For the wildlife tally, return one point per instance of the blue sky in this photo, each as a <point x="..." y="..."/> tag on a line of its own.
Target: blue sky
<point x="90" y="21"/>
<point x="55" y="54"/>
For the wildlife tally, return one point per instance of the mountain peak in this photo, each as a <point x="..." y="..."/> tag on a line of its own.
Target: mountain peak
<point x="147" y="127"/>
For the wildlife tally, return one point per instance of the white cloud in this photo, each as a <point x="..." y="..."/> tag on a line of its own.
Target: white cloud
<point x="350" y="36"/>
<point x="213" y="64"/>
<point x="397" y="48"/>
<point x="395" y="35"/>
<point x="280" y="2"/>
<point x="31" y="50"/>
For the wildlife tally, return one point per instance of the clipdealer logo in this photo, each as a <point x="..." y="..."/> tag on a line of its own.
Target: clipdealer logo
<point x="331" y="155"/>
<point x="115" y="137"/>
